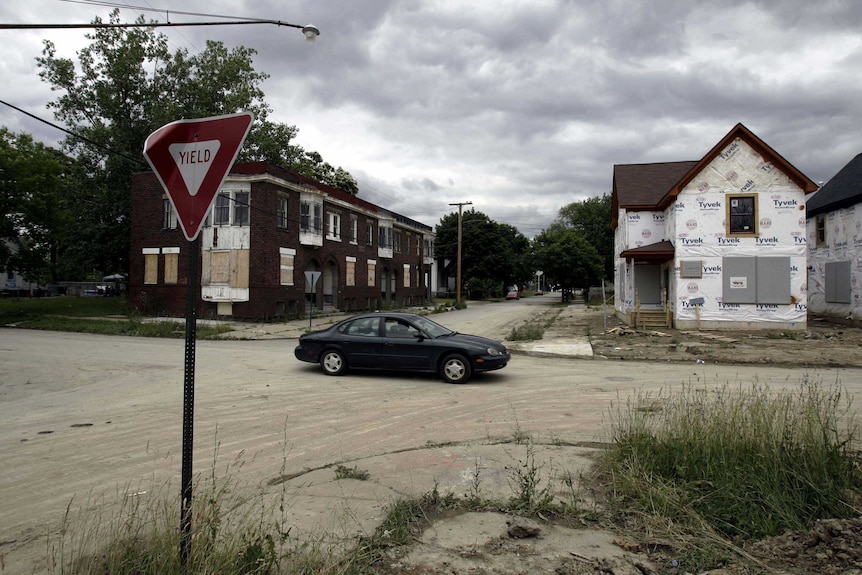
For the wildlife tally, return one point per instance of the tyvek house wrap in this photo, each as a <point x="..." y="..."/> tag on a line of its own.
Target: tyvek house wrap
<point x="700" y="230"/>
<point x="843" y="244"/>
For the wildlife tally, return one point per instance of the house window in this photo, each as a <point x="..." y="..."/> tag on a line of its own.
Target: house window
<point x="385" y="238"/>
<point x="354" y="230"/>
<point x="372" y="272"/>
<point x="742" y="215"/>
<point x="820" y="227"/>
<point x="282" y="212"/>
<point x="286" y="265"/>
<point x="172" y="264"/>
<point x="169" y="221"/>
<point x="240" y="209"/>
<point x="225" y="214"/>
<point x="333" y="226"/>
<point x="369" y="230"/>
<point x="311" y="215"/>
<point x="351" y="271"/>
<point x="406" y="275"/>
<point x="429" y="248"/>
<point x="221" y="211"/>
<point x="396" y="242"/>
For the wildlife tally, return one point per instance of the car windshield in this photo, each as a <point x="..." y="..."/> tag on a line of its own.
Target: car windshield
<point x="433" y="329"/>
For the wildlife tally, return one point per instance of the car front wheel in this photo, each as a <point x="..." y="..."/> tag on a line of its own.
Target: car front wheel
<point x="333" y="362"/>
<point x="455" y="369"/>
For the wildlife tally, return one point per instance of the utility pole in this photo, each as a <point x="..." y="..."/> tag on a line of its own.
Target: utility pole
<point x="458" y="273"/>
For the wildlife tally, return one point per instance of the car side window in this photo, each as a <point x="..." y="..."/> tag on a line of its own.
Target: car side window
<point x="398" y="328"/>
<point x="366" y="327"/>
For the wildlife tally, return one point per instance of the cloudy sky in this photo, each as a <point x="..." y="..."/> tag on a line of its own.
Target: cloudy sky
<point x="518" y="106"/>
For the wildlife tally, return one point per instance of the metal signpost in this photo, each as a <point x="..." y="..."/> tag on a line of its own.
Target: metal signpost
<point x="191" y="159"/>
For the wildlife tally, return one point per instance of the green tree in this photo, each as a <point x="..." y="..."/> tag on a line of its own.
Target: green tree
<point x="126" y="85"/>
<point x="567" y="258"/>
<point x="33" y="186"/>
<point x="492" y="254"/>
<point x="592" y="219"/>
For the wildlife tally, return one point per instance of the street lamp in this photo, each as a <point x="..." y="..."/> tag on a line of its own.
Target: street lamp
<point x="310" y="31"/>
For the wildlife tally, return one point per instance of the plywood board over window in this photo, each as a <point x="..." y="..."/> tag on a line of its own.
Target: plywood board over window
<point x="151" y="265"/>
<point x="837" y="286"/>
<point x="752" y="280"/>
<point x="172" y="264"/>
<point x="239" y="268"/>
<point x="286" y="261"/>
<point x="219" y="267"/>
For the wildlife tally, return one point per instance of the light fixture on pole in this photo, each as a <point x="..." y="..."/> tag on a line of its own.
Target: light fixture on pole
<point x="310" y="31"/>
<point x="458" y="272"/>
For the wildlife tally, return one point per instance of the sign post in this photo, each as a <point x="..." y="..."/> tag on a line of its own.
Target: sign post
<point x="191" y="159"/>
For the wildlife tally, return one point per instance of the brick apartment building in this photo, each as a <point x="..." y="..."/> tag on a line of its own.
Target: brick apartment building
<point x="268" y="226"/>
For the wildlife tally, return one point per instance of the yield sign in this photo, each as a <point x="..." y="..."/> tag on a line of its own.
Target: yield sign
<point x="191" y="159"/>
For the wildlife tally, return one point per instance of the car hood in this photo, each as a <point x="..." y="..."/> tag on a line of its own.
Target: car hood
<point x="474" y="340"/>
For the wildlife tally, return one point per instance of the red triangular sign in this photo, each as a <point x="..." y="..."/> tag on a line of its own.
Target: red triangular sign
<point x="191" y="159"/>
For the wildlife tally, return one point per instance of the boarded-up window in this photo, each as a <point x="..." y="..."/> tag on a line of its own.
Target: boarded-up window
<point x="406" y="275"/>
<point x="372" y="272"/>
<point x="838" y="282"/>
<point x="239" y="268"/>
<point x="351" y="271"/>
<point x="287" y="256"/>
<point x="151" y="267"/>
<point x="763" y="280"/>
<point x="220" y="267"/>
<point x="172" y="265"/>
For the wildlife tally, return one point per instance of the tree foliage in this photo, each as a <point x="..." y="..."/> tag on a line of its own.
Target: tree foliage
<point x="33" y="186"/>
<point x="592" y="219"/>
<point x="493" y="255"/>
<point x="127" y="84"/>
<point x="567" y="258"/>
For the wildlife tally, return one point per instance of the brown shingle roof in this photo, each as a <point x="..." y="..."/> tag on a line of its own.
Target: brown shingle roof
<point x="656" y="186"/>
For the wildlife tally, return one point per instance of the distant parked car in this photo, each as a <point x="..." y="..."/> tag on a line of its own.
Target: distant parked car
<point x="401" y="342"/>
<point x="539" y="292"/>
<point x="513" y="295"/>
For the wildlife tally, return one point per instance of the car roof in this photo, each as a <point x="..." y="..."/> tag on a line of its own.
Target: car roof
<point x="395" y="314"/>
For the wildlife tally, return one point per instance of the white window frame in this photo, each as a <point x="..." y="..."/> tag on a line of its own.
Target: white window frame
<point x="333" y="226"/>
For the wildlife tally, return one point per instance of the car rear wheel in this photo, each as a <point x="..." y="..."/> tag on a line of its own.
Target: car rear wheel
<point x="332" y="362"/>
<point x="455" y="369"/>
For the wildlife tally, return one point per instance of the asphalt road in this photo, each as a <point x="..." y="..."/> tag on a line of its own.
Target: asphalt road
<point x="82" y="415"/>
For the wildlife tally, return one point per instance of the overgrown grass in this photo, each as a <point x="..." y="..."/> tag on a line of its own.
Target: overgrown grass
<point x="101" y="315"/>
<point x="529" y="331"/>
<point x="737" y="464"/>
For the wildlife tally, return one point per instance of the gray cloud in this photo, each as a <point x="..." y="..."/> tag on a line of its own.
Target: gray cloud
<point x="521" y="106"/>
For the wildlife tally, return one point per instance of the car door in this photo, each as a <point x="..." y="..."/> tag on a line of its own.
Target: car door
<point x="362" y="343"/>
<point x="403" y="348"/>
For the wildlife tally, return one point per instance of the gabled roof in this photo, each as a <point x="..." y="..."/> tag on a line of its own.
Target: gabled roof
<point x="656" y="186"/>
<point x="843" y="190"/>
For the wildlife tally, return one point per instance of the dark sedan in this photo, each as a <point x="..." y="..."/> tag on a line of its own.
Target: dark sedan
<point x="401" y="342"/>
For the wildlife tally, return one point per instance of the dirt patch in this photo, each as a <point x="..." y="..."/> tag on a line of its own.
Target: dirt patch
<point x="822" y="344"/>
<point x="484" y="543"/>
